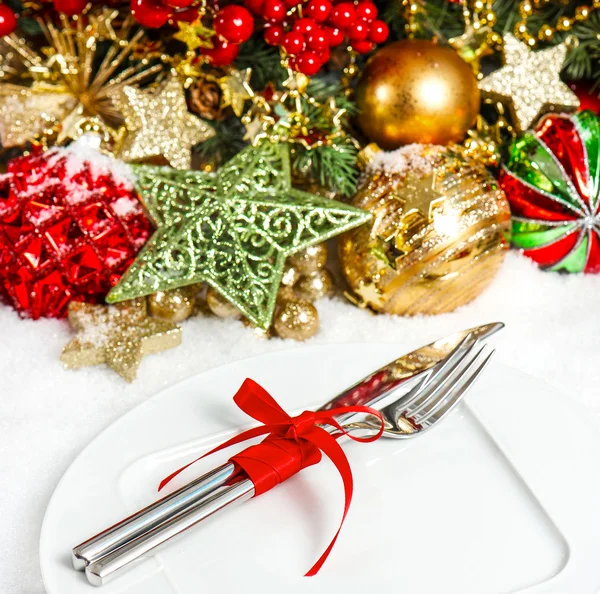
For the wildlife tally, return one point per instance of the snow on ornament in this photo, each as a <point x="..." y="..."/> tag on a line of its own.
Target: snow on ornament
<point x="70" y="225"/>
<point x="552" y="181"/>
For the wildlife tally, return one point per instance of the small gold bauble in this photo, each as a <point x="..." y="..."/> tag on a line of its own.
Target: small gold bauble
<point x="290" y="276"/>
<point x="174" y="306"/>
<point x="314" y="286"/>
<point x="437" y="238"/>
<point x="297" y="319"/>
<point x="309" y="260"/>
<point x="220" y="306"/>
<point x="415" y="91"/>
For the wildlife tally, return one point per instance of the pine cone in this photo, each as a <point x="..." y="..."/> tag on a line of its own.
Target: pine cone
<point x="205" y="99"/>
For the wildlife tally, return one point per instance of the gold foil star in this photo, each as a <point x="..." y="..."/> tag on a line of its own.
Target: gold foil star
<point x="118" y="335"/>
<point x="194" y="35"/>
<point x="530" y="82"/>
<point x="159" y="124"/>
<point x="236" y="89"/>
<point x="419" y="195"/>
<point x="472" y="45"/>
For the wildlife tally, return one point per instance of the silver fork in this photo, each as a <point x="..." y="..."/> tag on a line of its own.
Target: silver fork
<point x="413" y="413"/>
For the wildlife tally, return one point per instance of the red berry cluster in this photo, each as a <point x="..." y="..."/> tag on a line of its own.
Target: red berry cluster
<point x="323" y="24"/>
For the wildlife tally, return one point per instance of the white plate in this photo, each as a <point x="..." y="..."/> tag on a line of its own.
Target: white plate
<point x="503" y="497"/>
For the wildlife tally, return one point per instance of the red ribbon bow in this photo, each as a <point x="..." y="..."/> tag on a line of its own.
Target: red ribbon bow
<point x="292" y="443"/>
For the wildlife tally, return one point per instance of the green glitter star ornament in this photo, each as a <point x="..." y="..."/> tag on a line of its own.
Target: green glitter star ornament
<point x="233" y="231"/>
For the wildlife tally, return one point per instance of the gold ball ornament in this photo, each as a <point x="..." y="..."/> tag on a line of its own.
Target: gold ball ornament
<point x="298" y="320"/>
<point x="220" y="306"/>
<point x="415" y="91"/>
<point x="173" y="306"/>
<point x="439" y="233"/>
<point x="309" y="260"/>
<point x="314" y="286"/>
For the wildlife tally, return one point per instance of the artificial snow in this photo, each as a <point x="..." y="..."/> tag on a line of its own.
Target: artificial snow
<point x="48" y="414"/>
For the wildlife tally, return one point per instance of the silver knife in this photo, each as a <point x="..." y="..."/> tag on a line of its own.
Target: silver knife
<point x="369" y="391"/>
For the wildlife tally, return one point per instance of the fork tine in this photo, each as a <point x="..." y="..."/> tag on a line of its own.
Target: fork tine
<point x="458" y="389"/>
<point x="440" y="384"/>
<point x="438" y="376"/>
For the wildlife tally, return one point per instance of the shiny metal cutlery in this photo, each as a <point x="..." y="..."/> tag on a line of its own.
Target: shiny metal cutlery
<point x="433" y="395"/>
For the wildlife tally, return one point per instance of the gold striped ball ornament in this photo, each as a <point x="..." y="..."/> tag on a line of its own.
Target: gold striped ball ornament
<point x="438" y="235"/>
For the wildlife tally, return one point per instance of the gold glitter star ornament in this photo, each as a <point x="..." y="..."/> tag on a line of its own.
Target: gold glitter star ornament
<point x="159" y="124"/>
<point x="118" y="335"/>
<point x="530" y="82"/>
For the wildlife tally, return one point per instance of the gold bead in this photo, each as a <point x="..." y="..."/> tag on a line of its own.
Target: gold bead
<point x="582" y="13"/>
<point x="290" y="276"/>
<point x="564" y="24"/>
<point x="546" y="33"/>
<point x="309" y="260"/>
<point x="220" y="306"/>
<point x="526" y="9"/>
<point x="314" y="286"/>
<point x="521" y="27"/>
<point x="298" y="320"/>
<point x="491" y="18"/>
<point x="174" y="306"/>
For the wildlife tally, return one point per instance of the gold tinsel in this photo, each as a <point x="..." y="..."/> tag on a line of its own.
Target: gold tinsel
<point x="117" y="335"/>
<point x="47" y="94"/>
<point x="430" y="255"/>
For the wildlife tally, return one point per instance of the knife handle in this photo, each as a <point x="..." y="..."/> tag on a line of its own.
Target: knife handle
<point x="103" y="570"/>
<point x="148" y="518"/>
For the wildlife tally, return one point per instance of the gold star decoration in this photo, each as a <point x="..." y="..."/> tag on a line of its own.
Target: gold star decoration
<point x="159" y="124"/>
<point x="418" y="195"/>
<point x="472" y="45"/>
<point x="530" y="82"/>
<point x="194" y="35"/>
<point x="236" y="89"/>
<point x="117" y="335"/>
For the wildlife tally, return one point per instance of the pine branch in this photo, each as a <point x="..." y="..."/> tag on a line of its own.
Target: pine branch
<point x="264" y="61"/>
<point x="224" y="145"/>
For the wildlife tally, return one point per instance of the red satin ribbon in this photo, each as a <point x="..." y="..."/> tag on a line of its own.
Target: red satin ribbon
<point x="292" y="443"/>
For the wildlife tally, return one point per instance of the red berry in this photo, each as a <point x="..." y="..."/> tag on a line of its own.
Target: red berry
<point x="70" y="7"/>
<point x="178" y="3"/>
<point x="304" y="26"/>
<point x="189" y="15"/>
<point x="234" y="24"/>
<point x="319" y="10"/>
<point x="378" y="32"/>
<point x="308" y="63"/>
<point x="293" y="43"/>
<point x="324" y="55"/>
<point x="254" y="6"/>
<point x="274" y="10"/>
<point x="222" y="52"/>
<point x="367" y="11"/>
<point x="8" y="20"/>
<point x="317" y="40"/>
<point x="343" y="15"/>
<point x="292" y="3"/>
<point x="334" y="36"/>
<point x="358" y="31"/>
<point x="273" y="34"/>
<point x="150" y="13"/>
<point x="362" y="47"/>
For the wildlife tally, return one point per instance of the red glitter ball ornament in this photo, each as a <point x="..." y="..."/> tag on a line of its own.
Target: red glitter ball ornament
<point x="70" y="225"/>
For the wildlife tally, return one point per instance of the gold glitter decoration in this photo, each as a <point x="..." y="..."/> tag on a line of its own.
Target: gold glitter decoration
<point x="31" y="113"/>
<point x="194" y="34"/>
<point x="419" y="195"/>
<point x="419" y="264"/>
<point x="117" y="335"/>
<point x="84" y="60"/>
<point x="174" y="306"/>
<point x="159" y="124"/>
<point x="530" y="82"/>
<point x="298" y="320"/>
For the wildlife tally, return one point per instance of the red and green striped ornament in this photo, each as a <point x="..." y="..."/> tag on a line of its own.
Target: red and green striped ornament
<point x="552" y="181"/>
